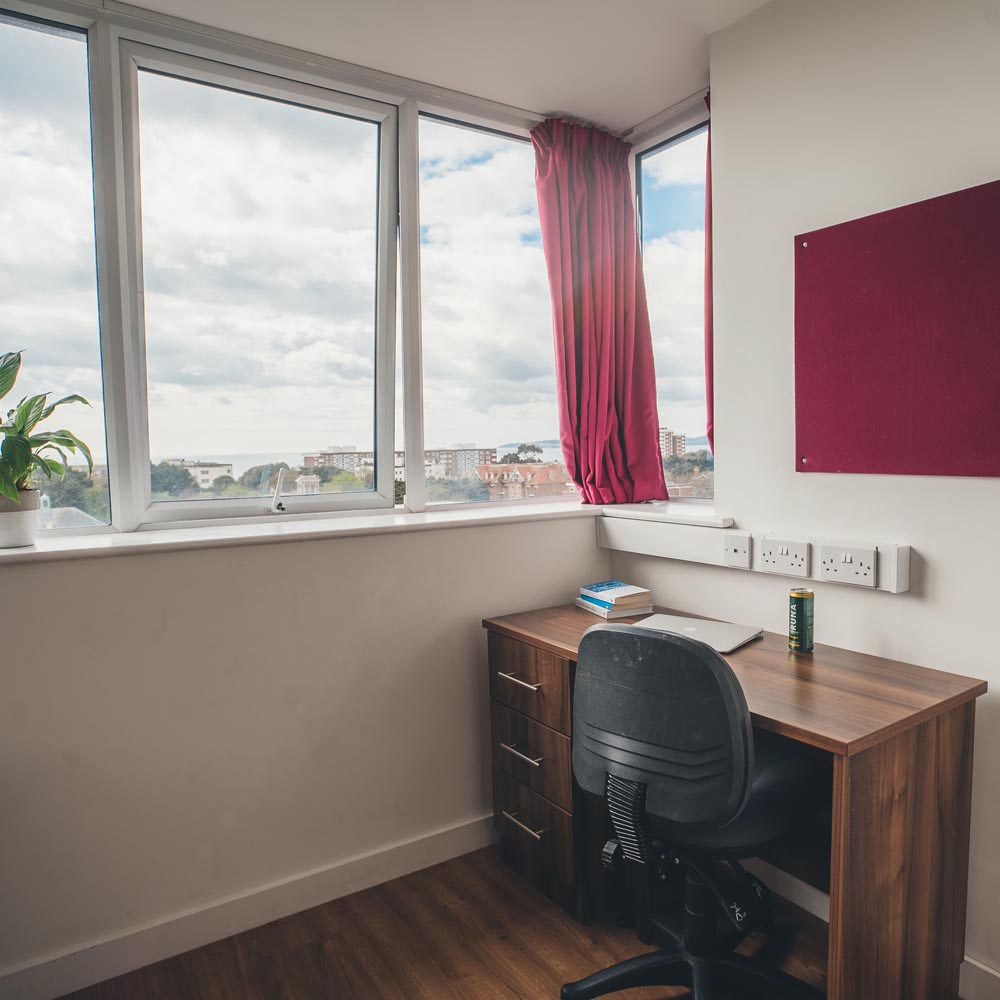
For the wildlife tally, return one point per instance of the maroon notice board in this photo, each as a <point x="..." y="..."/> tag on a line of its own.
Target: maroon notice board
<point x="897" y="340"/>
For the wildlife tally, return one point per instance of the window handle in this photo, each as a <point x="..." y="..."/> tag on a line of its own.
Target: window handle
<point x="276" y="506"/>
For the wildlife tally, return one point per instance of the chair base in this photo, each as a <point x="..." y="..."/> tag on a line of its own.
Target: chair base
<point x="703" y="975"/>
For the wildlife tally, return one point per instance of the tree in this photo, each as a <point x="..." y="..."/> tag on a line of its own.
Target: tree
<point x="75" y="489"/>
<point x="399" y="493"/>
<point x="342" y="481"/>
<point x="328" y="473"/>
<point x="171" y="480"/>
<point x="224" y="486"/>
<point x="524" y="453"/>
<point x="690" y="463"/>
<point x="262" y="479"/>
<point x="70" y="491"/>
<point x="457" y="489"/>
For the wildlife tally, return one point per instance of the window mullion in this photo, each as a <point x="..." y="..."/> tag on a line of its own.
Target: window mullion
<point x="409" y="256"/>
<point x="114" y="296"/>
<point x="385" y="312"/>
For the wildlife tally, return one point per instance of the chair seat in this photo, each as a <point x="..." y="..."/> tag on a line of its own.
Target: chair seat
<point x="787" y="787"/>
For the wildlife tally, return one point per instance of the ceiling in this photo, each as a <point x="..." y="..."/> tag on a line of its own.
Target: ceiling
<point x="610" y="62"/>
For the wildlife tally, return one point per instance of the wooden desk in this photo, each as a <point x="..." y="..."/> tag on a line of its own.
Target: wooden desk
<point x="900" y="740"/>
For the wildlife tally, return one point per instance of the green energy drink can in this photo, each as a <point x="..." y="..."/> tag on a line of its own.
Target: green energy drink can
<point x="800" y="620"/>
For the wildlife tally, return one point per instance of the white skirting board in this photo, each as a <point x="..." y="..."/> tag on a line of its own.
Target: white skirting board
<point x="54" y="975"/>
<point x="979" y="982"/>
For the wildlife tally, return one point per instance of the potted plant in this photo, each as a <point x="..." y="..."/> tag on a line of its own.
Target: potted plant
<point x="25" y="451"/>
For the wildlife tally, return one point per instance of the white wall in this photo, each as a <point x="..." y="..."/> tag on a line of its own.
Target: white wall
<point x="823" y="112"/>
<point x="340" y="706"/>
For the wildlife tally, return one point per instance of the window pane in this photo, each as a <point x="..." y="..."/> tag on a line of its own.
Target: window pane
<point x="491" y="426"/>
<point x="48" y="275"/>
<point x="673" y="257"/>
<point x="259" y="257"/>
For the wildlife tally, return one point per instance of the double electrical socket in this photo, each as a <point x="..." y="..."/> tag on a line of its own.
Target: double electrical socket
<point x="885" y="567"/>
<point x="855" y="564"/>
<point x="785" y="556"/>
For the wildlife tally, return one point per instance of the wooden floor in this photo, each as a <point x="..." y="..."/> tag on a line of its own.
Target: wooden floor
<point x="468" y="929"/>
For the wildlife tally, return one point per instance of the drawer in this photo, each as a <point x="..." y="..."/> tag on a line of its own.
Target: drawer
<point x="530" y="681"/>
<point x="535" y="755"/>
<point x="536" y="836"/>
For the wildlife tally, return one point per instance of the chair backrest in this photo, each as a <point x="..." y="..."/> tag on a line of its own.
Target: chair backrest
<point x="665" y="711"/>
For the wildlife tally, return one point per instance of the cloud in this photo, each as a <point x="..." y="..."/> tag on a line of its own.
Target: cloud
<point x="259" y="268"/>
<point x="259" y="232"/>
<point x="489" y="364"/>
<point x="674" y="270"/>
<point x="679" y="164"/>
<point x="48" y="296"/>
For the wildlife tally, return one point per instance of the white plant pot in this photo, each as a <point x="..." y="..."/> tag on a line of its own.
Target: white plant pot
<point x="18" y="521"/>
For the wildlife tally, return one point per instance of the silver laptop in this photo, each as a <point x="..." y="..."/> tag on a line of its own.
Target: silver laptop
<point x="721" y="636"/>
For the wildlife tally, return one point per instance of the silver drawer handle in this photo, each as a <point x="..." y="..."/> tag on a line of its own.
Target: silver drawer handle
<point x="537" y="834"/>
<point x="517" y="680"/>
<point x="533" y="761"/>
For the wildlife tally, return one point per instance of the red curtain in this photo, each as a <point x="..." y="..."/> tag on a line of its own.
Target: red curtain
<point x="709" y="329"/>
<point x="608" y="424"/>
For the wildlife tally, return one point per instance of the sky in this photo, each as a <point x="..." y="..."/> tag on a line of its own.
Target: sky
<point x="489" y="360"/>
<point x="259" y="267"/>
<point x="673" y="236"/>
<point x="48" y="296"/>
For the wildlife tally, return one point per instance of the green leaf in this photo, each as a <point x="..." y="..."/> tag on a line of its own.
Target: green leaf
<point x="29" y="412"/>
<point x="16" y="452"/>
<point x="53" y="446"/>
<point x="48" y="465"/>
<point x="10" y="364"/>
<point x="51" y="437"/>
<point x="69" y="440"/>
<point x="7" y="487"/>
<point x="75" y="398"/>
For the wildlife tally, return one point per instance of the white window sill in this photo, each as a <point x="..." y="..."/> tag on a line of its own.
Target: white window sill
<point x="671" y="512"/>
<point x="216" y="536"/>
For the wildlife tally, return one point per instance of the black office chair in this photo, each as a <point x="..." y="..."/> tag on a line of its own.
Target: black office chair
<point x="661" y="729"/>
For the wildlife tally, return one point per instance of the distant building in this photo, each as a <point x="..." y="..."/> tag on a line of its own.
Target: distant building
<point x="529" y="479"/>
<point x="203" y="473"/>
<point x="337" y="456"/>
<point x="672" y="445"/>
<point x="63" y="517"/>
<point x="306" y="484"/>
<point x="458" y="462"/>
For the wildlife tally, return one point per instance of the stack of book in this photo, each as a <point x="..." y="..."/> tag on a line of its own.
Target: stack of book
<point x="614" y="599"/>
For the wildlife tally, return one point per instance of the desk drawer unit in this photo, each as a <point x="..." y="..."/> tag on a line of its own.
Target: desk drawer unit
<point x="538" y="836"/>
<point x="549" y="832"/>
<point x="534" y="755"/>
<point x="530" y="681"/>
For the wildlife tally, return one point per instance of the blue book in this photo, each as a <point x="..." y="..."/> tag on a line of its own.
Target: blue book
<point x="594" y="600"/>
<point x="594" y="607"/>
<point x="612" y="593"/>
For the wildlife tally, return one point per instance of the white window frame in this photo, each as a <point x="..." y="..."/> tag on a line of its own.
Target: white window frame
<point x="505" y="131"/>
<point x="686" y="119"/>
<point x="133" y="57"/>
<point x="122" y="39"/>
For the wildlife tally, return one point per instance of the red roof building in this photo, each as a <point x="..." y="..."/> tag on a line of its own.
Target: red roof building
<point x="528" y="479"/>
